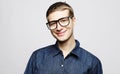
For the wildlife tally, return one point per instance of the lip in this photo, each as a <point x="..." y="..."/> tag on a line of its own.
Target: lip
<point x="61" y="33"/>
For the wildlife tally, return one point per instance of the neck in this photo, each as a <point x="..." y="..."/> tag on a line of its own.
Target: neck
<point x="67" y="46"/>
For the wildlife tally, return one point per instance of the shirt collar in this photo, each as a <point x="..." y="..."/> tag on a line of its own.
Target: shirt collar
<point x="75" y="51"/>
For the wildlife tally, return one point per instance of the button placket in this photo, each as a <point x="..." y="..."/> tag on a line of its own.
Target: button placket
<point x="62" y="64"/>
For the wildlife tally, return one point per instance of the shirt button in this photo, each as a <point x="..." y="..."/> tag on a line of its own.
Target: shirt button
<point x="62" y="65"/>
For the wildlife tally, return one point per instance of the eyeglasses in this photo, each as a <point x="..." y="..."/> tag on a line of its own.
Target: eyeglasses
<point x="62" y="22"/>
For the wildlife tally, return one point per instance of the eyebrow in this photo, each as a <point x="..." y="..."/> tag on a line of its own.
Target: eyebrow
<point x="58" y="19"/>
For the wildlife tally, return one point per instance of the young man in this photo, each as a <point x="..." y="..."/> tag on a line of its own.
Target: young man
<point x="65" y="56"/>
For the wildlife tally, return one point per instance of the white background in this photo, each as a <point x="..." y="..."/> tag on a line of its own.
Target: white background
<point x="23" y="30"/>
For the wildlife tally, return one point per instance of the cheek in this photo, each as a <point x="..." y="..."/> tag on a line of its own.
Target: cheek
<point x="70" y="27"/>
<point x="52" y="32"/>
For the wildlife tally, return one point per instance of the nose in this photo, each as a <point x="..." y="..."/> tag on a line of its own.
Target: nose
<point x="59" y="27"/>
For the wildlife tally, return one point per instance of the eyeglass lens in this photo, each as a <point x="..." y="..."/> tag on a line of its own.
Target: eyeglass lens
<point x="62" y="22"/>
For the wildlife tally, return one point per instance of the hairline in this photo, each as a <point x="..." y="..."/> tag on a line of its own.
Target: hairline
<point x="60" y="10"/>
<point x="63" y="6"/>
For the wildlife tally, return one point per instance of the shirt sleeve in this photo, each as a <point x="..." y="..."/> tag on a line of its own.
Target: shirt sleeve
<point x="96" y="67"/>
<point x="30" y="68"/>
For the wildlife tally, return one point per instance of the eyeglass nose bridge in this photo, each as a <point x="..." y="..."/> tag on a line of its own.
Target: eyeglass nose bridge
<point x="58" y="24"/>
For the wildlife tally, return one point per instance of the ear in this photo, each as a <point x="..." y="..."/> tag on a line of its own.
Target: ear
<point x="74" y="20"/>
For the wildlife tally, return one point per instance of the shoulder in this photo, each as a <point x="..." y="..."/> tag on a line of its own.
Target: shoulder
<point x="83" y="53"/>
<point x="89" y="57"/>
<point x="43" y="50"/>
<point x="92" y="61"/>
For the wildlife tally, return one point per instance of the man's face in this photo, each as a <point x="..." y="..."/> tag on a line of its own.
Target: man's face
<point x="62" y="33"/>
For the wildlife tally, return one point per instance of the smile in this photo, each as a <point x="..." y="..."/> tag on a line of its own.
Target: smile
<point x="61" y="33"/>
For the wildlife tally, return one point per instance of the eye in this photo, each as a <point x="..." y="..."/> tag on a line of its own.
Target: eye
<point x="52" y="23"/>
<point x="63" y="20"/>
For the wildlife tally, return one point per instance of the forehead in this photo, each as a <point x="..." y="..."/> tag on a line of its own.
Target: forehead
<point x="58" y="14"/>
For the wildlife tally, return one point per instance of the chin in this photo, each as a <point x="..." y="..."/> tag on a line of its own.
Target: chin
<point x="62" y="39"/>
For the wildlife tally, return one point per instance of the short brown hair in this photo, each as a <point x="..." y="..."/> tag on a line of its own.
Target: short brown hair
<point x="60" y="6"/>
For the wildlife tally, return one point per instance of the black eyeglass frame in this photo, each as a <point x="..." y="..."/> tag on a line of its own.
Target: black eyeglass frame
<point x="57" y="21"/>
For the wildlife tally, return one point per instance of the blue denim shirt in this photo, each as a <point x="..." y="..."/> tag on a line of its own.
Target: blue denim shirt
<point x="50" y="60"/>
